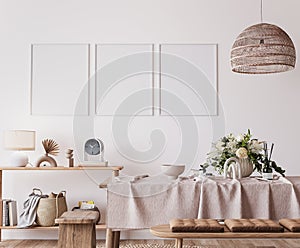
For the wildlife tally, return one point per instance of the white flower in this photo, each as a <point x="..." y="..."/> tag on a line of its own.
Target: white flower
<point x="220" y="145"/>
<point x="242" y="153"/>
<point x="211" y="154"/>
<point x="239" y="138"/>
<point x="232" y="146"/>
<point x="255" y="146"/>
<point x="231" y="137"/>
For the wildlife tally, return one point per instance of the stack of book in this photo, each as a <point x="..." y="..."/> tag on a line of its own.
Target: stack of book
<point x="9" y="212"/>
<point x="86" y="205"/>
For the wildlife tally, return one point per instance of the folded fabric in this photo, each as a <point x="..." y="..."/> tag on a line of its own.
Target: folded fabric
<point x="252" y="225"/>
<point x="291" y="224"/>
<point x="28" y="215"/>
<point x="195" y="225"/>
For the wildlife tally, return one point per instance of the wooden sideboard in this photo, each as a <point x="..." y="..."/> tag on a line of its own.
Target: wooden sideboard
<point x="115" y="172"/>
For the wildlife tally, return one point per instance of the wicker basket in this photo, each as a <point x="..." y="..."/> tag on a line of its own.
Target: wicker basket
<point x="49" y="209"/>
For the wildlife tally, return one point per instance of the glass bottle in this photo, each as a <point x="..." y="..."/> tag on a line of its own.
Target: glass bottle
<point x="267" y="171"/>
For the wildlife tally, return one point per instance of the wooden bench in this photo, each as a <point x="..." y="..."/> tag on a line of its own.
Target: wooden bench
<point x="163" y="231"/>
<point x="77" y="229"/>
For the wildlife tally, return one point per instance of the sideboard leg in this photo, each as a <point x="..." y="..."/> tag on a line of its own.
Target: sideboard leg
<point x="116" y="239"/>
<point x="109" y="238"/>
<point x="178" y="243"/>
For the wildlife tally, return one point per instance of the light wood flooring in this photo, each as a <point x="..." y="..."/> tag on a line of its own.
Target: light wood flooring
<point x="289" y="243"/>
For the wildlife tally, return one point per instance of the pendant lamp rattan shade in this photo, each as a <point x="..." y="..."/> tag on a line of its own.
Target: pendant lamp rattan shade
<point x="263" y="48"/>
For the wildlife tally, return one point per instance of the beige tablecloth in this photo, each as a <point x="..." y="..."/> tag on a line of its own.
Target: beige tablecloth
<point x="154" y="201"/>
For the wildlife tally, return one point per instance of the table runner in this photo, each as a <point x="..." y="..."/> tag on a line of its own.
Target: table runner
<point x="154" y="201"/>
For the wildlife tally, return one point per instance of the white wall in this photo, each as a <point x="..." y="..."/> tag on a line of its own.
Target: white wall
<point x="267" y="104"/>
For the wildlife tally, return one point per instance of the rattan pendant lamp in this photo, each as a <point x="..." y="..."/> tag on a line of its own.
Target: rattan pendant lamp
<point x="263" y="48"/>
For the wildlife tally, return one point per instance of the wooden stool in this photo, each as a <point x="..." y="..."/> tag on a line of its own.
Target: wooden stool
<point x="77" y="229"/>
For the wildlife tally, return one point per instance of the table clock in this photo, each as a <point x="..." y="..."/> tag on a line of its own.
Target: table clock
<point x="94" y="151"/>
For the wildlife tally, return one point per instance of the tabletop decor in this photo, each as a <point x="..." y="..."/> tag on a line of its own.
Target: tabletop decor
<point x="51" y="147"/>
<point x="69" y="156"/>
<point x="172" y="171"/>
<point x="236" y="168"/>
<point x="19" y="141"/>
<point x="245" y="150"/>
<point x="270" y="165"/>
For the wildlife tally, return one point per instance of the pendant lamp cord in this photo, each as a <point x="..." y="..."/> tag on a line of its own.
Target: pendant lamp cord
<point x="261" y="11"/>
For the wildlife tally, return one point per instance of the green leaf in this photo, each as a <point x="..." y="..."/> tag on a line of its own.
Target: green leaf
<point x="277" y="168"/>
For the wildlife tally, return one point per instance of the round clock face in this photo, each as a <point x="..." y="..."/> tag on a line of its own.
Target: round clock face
<point x="92" y="147"/>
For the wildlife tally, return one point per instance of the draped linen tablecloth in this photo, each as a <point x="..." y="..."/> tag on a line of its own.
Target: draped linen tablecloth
<point x="150" y="202"/>
<point x="154" y="201"/>
<point x="249" y="198"/>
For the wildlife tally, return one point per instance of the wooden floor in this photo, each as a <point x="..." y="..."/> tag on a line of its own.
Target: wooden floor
<point x="290" y="243"/>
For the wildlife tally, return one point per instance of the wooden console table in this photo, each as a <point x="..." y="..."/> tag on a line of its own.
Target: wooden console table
<point x="115" y="172"/>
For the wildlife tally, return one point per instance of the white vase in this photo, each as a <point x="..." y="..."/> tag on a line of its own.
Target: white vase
<point x="242" y="167"/>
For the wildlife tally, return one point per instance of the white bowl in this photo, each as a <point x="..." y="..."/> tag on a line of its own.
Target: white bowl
<point x="172" y="170"/>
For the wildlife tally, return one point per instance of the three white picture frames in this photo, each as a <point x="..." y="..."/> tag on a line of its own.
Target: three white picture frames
<point x="124" y="79"/>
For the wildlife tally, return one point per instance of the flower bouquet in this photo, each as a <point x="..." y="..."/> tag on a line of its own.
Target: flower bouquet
<point x="242" y="147"/>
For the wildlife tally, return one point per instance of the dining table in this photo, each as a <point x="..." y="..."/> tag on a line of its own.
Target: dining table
<point x="150" y="201"/>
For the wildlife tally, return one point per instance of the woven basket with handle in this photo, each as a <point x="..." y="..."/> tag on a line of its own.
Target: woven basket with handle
<point x="49" y="209"/>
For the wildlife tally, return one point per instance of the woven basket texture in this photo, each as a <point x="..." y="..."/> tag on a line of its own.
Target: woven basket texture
<point x="47" y="211"/>
<point x="263" y="48"/>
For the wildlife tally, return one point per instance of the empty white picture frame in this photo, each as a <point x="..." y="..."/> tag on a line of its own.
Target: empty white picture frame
<point x="188" y="79"/>
<point x="124" y="79"/>
<point x="60" y="79"/>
